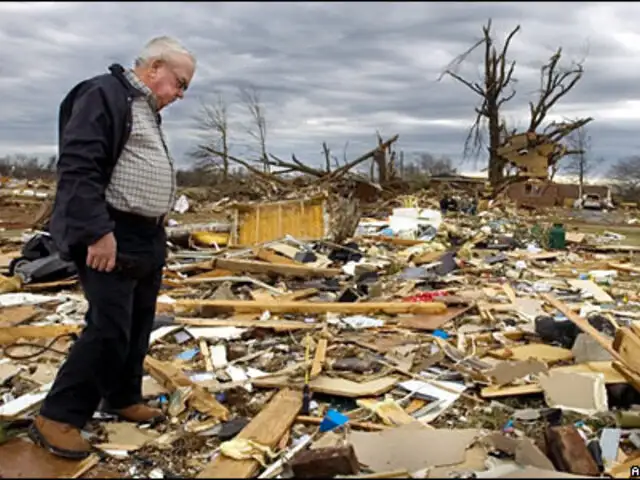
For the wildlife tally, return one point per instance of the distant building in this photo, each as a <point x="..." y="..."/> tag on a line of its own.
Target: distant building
<point x="553" y="194"/>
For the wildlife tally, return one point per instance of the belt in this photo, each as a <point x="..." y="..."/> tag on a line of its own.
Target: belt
<point x="134" y="217"/>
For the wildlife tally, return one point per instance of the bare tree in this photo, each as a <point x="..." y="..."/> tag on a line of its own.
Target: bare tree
<point x="555" y="83"/>
<point x="425" y="163"/>
<point x="495" y="91"/>
<point x="626" y="176"/>
<point x="258" y="130"/>
<point x="327" y="156"/>
<point x="580" y="163"/>
<point x="214" y="123"/>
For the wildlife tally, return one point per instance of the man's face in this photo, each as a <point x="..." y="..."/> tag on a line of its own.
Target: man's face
<point x="169" y="79"/>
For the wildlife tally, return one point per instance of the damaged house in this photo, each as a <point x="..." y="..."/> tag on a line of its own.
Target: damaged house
<point x="553" y="194"/>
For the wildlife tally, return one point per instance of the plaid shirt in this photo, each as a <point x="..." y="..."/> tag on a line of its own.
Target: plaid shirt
<point x="143" y="181"/>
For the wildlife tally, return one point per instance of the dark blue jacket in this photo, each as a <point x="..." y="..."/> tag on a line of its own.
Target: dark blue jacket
<point x="94" y="125"/>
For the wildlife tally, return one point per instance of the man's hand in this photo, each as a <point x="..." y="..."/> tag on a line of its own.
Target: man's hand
<point x="101" y="256"/>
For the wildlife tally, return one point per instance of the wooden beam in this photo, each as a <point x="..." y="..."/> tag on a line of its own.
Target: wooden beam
<point x="368" y="426"/>
<point x="319" y="358"/>
<point x="281" y="325"/>
<point x="266" y="428"/>
<point x="251" y="266"/>
<point x="11" y="334"/>
<point x="171" y="377"/>
<point x="248" y="306"/>
<point x="272" y="257"/>
<point x="627" y="344"/>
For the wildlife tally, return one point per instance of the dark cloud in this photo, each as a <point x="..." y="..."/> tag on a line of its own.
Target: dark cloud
<point x="335" y="72"/>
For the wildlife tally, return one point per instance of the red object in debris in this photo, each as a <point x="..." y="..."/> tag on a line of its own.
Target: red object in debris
<point x="425" y="296"/>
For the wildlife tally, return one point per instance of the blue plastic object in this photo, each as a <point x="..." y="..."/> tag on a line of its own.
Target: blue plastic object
<point x="440" y="334"/>
<point x="333" y="419"/>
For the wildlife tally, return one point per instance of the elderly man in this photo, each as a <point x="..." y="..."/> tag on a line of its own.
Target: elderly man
<point x="116" y="183"/>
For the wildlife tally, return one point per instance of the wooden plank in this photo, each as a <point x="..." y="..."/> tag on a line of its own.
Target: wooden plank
<point x="85" y="465"/>
<point x="432" y="322"/>
<point x="406" y="242"/>
<point x="266" y="428"/>
<point x="511" y="295"/>
<point x="298" y="295"/>
<point x="171" y="377"/>
<point x="282" y="325"/>
<point x="625" y="268"/>
<point x="9" y="335"/>
<point x="388" y="411"/>
<point x="272" y="257"/>
<point x="39" y="287"/>
<point x="13" y="316"/>
<point x="590" y="288"/>
<point x="248" y="306"/>
<point x="215" y="273"/>
<point x="319" y="358"/>
<point x="627" y="344"/>
<point x="206" y="354"/>
<point x="250" y="266"/>
<point x="369" y="426"/>
<point x="545" y="353"/>
<point x="332" y="386"/>
<point x="631" y="377"/>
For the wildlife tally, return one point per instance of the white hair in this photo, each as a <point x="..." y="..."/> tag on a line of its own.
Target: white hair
<point x="162" y="48"/>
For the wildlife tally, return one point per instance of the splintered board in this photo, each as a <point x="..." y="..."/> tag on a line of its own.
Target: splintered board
<point x="302" y="219"/>
<point x="266" y="428"/>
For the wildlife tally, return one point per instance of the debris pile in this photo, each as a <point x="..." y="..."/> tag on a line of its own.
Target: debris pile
<point x="299" y="338"/>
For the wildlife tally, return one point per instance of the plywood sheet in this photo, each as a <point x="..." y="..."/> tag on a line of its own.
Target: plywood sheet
<point x="22" y="459"/>
<point x="260" y="223"/>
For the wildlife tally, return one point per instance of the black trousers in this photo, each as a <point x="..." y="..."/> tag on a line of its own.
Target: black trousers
<point x="106" y="362"/>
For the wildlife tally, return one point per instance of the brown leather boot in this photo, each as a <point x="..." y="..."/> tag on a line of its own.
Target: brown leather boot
<point x="58" y="438"/>
<point x="140" y="413"/>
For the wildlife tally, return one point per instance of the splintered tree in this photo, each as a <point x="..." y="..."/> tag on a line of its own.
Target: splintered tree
<point x="214" y="125"/>
<point x="496" y="89"/>
<point x="258" y="129"/>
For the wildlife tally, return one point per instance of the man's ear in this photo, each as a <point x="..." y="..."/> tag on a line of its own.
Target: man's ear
<point x="155" y="65"/>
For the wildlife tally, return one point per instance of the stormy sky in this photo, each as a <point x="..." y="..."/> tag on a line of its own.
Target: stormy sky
<point x="334" y="72"/>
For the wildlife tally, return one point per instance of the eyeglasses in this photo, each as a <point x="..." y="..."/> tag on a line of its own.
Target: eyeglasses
<point x="180" y="83"/>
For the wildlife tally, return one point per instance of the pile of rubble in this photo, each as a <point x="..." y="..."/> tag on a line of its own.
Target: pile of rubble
<point x="425" y="345"/>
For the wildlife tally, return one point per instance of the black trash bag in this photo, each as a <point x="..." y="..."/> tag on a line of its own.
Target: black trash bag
<point x="341" y="255"/>
<point x="565" y="332"/>
<point x="38" y="246"/>
<point x="40" y="262"/>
